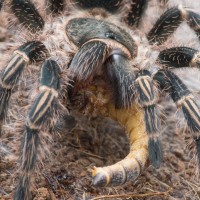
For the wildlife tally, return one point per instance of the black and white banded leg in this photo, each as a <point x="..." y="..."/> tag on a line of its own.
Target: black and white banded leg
<point x="55" y="7"/>
<point x="170" y="21"/>
<point x="111" y="5"/>
<point x="27" y="14"/>
<point x="39" y="113"/>
<point x="147" y="100"/>
<point x="183" y="98"/>
<point x="179" y="57"/>
<point x="28" y="53"/>
<point x="137" y="8"/>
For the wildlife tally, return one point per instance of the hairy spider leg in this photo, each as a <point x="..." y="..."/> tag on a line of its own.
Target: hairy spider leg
<point x="170" y="21"/>
<point x="183" y="98"/>
<point x="147" y="99"/>
<point x="137" y="8"/>
<point x="55" y="7"/>
<point x="39" y="113"/>
<point x="179" y="57"/>
<point x="1" y="4"/>
<point x="109" y="5"/>
<point x="29" y="52"/>
<point x="27" y="15"/>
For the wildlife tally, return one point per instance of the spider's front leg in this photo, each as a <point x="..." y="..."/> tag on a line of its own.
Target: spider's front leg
<point x="38" y="115"/>
<point x="110" y="6"/>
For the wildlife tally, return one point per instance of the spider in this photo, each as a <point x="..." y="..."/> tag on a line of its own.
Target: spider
<point x="99" y="68"/>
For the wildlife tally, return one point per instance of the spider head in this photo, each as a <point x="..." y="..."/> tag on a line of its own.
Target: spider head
<point x="105" y="53"/>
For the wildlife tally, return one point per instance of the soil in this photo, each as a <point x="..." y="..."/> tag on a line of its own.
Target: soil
<point x="65" y="174"/>
<point x="101" y="142"/>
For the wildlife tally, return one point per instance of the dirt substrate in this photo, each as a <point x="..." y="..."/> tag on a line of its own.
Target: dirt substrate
<point x="100" y="142"/>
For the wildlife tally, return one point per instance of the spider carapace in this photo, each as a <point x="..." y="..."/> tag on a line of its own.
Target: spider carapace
<point x="94" y="50"/>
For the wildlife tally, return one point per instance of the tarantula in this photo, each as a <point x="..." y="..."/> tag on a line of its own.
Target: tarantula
<point x="100" y="69"/>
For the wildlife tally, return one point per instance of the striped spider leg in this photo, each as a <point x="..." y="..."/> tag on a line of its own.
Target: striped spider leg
<point x="170" y="21"/>
<point x="27" y="15"/>
<point x="39" y="114"/>
<point x="136" y="10"/>
<point x="178" y="57"/>
<point x="30" y="52"/>
<point x="183" y="98"/>
<point x="55" y="7"/>
<point x="147" y="98"/>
